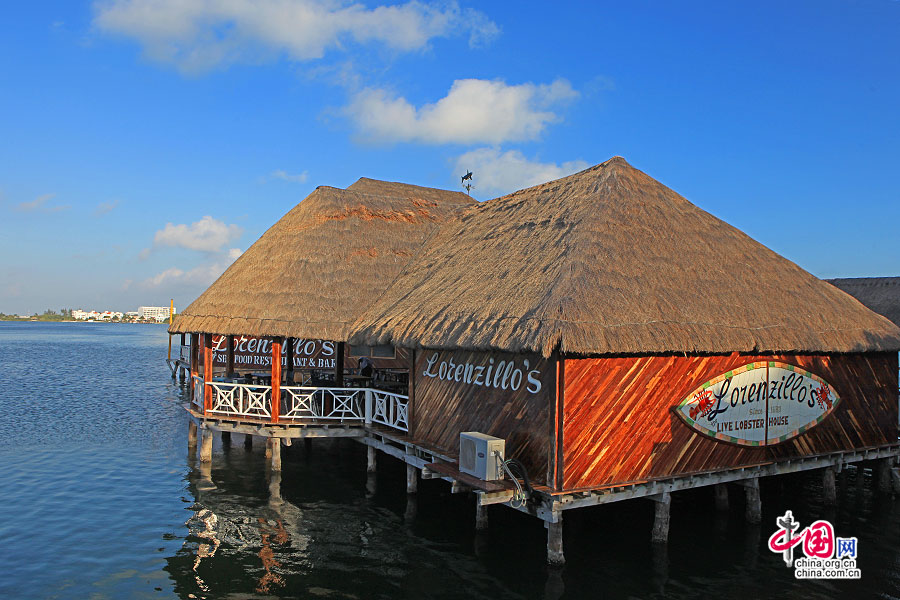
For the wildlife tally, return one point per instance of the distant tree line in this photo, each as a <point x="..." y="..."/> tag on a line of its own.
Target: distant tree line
<point x="64" y="314"/>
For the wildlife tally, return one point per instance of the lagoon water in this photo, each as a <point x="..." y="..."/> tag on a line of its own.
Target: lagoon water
<point x="100" y="499"/>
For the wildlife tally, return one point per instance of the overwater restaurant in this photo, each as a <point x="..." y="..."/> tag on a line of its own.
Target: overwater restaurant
<point x="267" y="339"/>
<point x="599" y="338"/>
<point x="625" y="343"/>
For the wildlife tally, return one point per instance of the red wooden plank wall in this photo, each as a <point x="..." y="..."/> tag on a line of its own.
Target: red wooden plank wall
<point x="442" y="409"/>
<point x="619" y="427"/>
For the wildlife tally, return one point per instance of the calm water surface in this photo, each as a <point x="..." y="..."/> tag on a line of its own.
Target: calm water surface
<point x="100" y="499"/>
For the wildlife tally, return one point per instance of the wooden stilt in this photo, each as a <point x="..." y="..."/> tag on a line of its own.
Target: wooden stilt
<point x="206" y="444"/>
<point x="721" y="491"/>
<point x="883" y="469"/>
<point x="895" y="480"/>
<point x="412" y="479"/>
<point x="371" y="462"/>
<point x="226" y="439"/>
<point x="276" y="454"/>
<point x="268" y="448"/>
<point x="660" y="534"/>
<point x="829" y="489"/>
<point x="192" y="435"/>
<point x="555" y="556"/>
<point x="481" y="516"/>
<point x="275" y="488"/>
<point x="248" y="441"/>
<point x="754" y="504"/>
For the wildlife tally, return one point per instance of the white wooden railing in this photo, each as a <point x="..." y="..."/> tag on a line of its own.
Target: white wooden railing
<point x="388" y="409"/>
<point x="362" y="406"/>
<point x="241" y="399"/>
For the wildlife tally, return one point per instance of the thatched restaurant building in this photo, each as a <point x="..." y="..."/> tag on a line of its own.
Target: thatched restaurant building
<point x="625" y="343"/>
<point x="592" y="339"/>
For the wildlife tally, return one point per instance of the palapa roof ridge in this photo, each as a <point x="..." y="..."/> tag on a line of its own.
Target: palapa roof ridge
<point x="611" y="261"/>
<point x="881" y="294"/>
<point x="396" y="188"/>
<point x="318" y="267"/>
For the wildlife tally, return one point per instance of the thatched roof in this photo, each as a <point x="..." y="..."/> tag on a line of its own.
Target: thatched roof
<point x="611" y="261"/>
<point x="315" y="271"/>
<point x="405" y="190"/>
<point x="881" y="294"/>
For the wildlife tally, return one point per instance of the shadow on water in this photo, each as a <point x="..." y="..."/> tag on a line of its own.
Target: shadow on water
<point x="102" y="499"/>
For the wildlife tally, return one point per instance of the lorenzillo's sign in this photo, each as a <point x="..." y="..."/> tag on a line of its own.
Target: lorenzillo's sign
<point x="250" y="352"/>
<point x="759" y="404"/>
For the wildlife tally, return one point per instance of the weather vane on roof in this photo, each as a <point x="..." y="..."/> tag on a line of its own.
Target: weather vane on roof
<point x="467" y="186"/>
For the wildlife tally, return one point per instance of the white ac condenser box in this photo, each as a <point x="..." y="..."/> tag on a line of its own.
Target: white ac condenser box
<point x="477" y="455"/>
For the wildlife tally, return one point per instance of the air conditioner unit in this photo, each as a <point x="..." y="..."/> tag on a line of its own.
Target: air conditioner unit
<point x="476" y="455"/>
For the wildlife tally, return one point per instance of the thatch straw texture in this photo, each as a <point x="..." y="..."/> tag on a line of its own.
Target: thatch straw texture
<point x="881" y="294"/>
<point x="319" y="267"/>
<point x="610" y="261"/>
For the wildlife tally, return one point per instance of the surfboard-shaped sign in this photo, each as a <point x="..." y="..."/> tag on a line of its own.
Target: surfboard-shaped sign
<point x="759" y="404"/>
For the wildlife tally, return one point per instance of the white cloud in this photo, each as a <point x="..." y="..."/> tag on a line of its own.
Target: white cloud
<point x="473" y="111"/>
<point x="206" y="235"/>
<point x="284" y="175"/>
<point x="498" y="173"/>
<point x="202" y="34"/>
<point x="40" y="204"/>
<point x="200" y="276"/>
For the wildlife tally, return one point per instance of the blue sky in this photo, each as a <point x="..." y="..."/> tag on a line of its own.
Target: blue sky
<point x="146" y="143"/>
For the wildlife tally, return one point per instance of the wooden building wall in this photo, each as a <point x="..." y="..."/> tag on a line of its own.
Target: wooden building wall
<point x="619" y="426"/>
<point x="443" y="408"/>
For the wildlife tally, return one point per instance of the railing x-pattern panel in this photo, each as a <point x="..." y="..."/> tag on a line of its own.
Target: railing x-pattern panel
<point x="302" y="403"/>
<point x="390" y="409"/>
<point x="341" y="404"/>
<point x="241" y="399"/>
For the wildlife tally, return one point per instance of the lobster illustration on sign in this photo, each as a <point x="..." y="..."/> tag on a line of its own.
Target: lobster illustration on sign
<point x="704" y="403"/>
<point x="821" y="394"/>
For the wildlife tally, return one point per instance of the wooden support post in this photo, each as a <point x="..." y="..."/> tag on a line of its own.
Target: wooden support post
<point x="192" y="435"/>
<point x="481" y="516"/>
<point x="660" y="533"/>
<point x="206" y="444"/>
<point x="895" y="480"/>
<point x="371" y="461"/>
<point x="289" y="351"/>
<point x="883" y="470"/>
<point x="555" y="556"/>
<point x="721" y="492"/>
<point x="226" y="439"/>
<point x="339" y="366"/>
<point x="248" y="441"/>
<point x="829" y="489"/>
<point x="754" y="504"/>
<point x="268" y="448"/>
<point x="195" y="353"/>
<point x="412" y="479"/>
<point x="276" y="378"/>
<point x="207" y="372"/>
<point x="275" y="498"/>
<point x="276" y="454"/>
<point x="229" y="356"/>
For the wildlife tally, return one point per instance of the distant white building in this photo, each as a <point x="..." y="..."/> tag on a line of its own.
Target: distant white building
<point x="158" y="313"/>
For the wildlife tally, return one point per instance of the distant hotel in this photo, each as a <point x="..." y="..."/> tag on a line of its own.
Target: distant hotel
<point x="159" y="313"/>
<point x="143" y="313"/>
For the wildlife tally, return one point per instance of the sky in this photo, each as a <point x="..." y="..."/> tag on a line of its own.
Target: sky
<point x="144" y="144"/>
